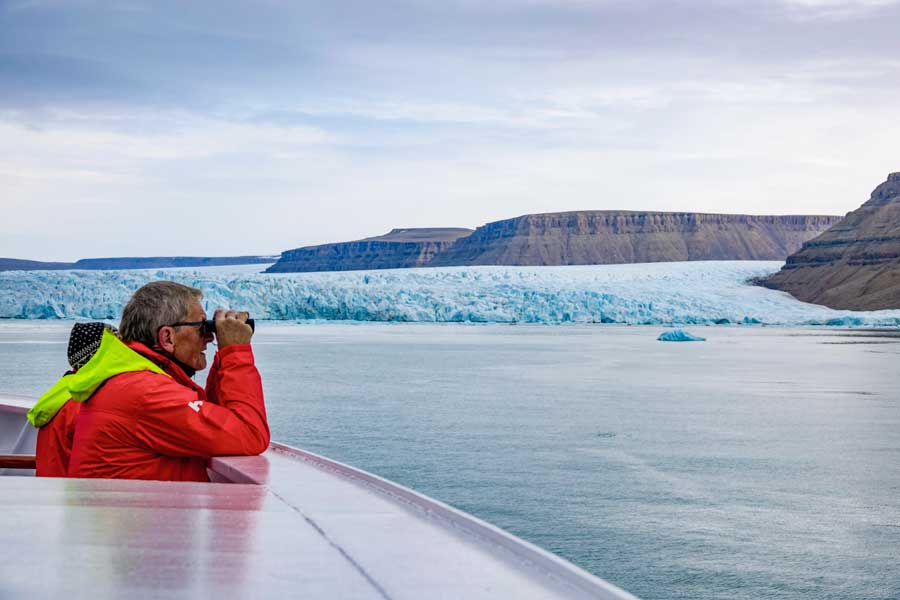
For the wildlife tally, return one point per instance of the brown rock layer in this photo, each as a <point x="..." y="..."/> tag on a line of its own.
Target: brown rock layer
<point x="401" y="248"/>
<point x="610" y="237"/>
<point x="855" y="265"/>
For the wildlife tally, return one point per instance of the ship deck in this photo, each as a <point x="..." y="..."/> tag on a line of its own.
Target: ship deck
<point x="287" y="522"/>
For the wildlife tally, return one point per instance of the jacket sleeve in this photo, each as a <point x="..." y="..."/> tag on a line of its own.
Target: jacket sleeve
<point x="54" y="442"/>
<point x="212" y="379"/>
<point x="176" y="421"/>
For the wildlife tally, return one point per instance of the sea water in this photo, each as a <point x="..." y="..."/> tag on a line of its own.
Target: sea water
<point x="761" y="463"/>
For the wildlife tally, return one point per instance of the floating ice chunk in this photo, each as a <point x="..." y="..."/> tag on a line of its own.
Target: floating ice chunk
<point x="679" y="335"/>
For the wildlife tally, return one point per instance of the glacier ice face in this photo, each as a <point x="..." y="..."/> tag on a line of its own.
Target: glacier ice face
<point x="679" y="335"/>
<point x="674" y="294"/>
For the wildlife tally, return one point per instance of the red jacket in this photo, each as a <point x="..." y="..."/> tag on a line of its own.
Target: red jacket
<point x="145" y="425"/>
<point x="54" y="442"/>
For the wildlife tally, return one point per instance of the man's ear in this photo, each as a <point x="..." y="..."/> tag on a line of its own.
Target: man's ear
<point x="165" y="339"/>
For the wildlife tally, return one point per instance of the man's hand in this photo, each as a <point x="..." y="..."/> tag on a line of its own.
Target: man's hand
<point x="231" y="327"/>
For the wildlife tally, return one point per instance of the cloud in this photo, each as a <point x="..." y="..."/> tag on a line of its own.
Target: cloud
<point x="836" y="9"/>
<point x="323" y="121"/>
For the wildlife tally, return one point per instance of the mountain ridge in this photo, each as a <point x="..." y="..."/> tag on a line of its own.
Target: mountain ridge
<point x="399" y="248"/>
<point x="569" y="238"/>
<point x="855" y="264"/>
<point x="616" y="237"/>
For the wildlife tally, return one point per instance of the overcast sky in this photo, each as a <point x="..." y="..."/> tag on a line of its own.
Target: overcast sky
<point x="218" y="128"/>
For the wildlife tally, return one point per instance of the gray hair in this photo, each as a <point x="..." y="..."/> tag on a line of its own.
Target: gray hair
<point x="155" y="305"/>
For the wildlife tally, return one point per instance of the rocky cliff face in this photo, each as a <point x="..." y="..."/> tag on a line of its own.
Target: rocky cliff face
<point x="609" y="237"/>
<point x="854" y="265"/>
<point x="400" y="248"/>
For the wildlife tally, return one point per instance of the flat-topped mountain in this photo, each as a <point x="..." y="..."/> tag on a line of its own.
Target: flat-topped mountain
<point x="397" y="249"/>
<point x="570" y="238"/>
<point x="611" y="237"/>
<point x="151" y="262"/>
<point x="854" y="265"/>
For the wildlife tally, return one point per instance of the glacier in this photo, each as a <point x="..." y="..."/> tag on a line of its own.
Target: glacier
<point x="672" y="294"/>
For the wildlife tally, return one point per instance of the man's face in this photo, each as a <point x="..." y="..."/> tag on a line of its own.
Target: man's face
<point x="190" y="344"/>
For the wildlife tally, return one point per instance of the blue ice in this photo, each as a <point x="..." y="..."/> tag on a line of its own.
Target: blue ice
<point x="679" y="335"/>
<point x="671" y="294"/>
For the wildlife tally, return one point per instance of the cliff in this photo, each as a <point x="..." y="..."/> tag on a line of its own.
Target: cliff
<point x="609" y="237"/>
<point x="855" y="265"/>
<point x="400" y="248"/>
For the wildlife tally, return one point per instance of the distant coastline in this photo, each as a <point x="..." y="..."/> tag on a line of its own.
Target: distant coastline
<point x="123" y="263"/>
<point x="587" y="237"/>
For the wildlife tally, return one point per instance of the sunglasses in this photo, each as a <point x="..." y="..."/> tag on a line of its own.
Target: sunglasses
<point x="208" y="326"/>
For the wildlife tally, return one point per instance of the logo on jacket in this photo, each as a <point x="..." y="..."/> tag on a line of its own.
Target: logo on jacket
<point x="195" y="405"/>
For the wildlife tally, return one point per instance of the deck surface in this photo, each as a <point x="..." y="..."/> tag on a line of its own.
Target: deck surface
<point x="292" y="527"/>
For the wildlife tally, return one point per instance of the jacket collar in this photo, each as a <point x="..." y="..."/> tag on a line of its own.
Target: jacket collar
<point x="111" y="358"/>
<point x="170" y="366"/>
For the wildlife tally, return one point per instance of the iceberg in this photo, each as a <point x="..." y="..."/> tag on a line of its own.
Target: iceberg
<point x="671" y="294"/>
<point x="679" y="335"/>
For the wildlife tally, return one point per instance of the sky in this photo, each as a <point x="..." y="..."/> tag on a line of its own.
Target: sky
<point x="162" y="128"/>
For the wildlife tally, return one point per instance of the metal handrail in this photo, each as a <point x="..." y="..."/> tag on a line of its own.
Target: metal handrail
<point x="17" y="461"/>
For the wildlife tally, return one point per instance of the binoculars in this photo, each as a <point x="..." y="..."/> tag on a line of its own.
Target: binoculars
<point x="210" y="325"/>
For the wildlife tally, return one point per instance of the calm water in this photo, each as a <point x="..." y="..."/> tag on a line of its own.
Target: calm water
<point x="763" y="463"/>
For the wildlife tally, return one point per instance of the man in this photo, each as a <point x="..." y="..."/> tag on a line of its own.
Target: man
<point x="142" y="416"/>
